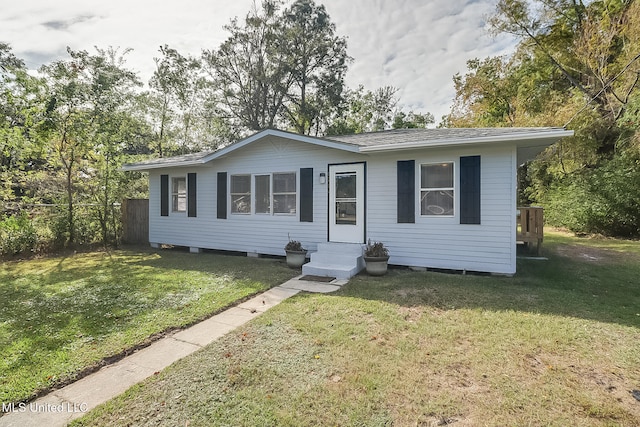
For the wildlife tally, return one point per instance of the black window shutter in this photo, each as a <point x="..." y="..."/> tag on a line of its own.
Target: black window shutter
<point x="164" y="195"/>
<point x="406" y="191"/>
<point x="306" y="195"/>
<point x="191" y="194"/>
<point x="222" y="195"/>
<point x="470" y="190"/>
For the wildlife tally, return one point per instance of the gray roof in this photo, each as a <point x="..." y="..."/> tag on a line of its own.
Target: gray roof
<point x="401" y="136"/>
<point x="396" y="139"/>
<point x="185" y="158"/>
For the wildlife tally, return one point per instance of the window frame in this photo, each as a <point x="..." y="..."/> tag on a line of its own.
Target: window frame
<point x="176" y="195"/>
<point x="232" y="194"/>
<point x="284" y="193"/>
<point x="255" y="196"/>
<point x="453" y="189"/>
<point x="253" y="193"/>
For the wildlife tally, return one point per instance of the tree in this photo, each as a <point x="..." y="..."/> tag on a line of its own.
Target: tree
<point x="577" y="65"/>
<point x="177" y="85"/>
<point x="8" y="61"/>
<point x="279" y="69"/>
<point x="316" y="60"/>
<point x="412" y="120"/>
<point x="22" y="153"/>
<point x="85" y="113"/>
<point x="588" y="45"/>
<point x="371" y="111"/>
<point x="248" y="77"/>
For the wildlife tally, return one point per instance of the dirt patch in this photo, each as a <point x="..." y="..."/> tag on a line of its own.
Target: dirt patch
<point x="609" y="384"/>
<point x="592" y="255"/>
<point x="411" y="314"/>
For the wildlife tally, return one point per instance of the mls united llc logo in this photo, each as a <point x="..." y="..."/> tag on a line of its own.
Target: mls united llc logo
<point x="44" y="407"/>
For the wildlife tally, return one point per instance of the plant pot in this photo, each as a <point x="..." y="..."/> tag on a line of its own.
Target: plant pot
<point x="295" y="259"/>
<point x="376" y="266"/>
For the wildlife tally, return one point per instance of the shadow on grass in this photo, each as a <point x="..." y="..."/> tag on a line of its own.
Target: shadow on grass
<point x="597" y="285"/>
<point x="104" y="302"/>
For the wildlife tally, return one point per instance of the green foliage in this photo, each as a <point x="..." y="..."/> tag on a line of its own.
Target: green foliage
<point x="279" y="68"/>
<point x="65" y="134"/>
<point x="17" y="235"/>
<point x="371" y="111"/>
<point x="605" y="200"/>
<point x="176" y="103"/>
<point x="316" y="63"/>
<point x="577" y="65"/>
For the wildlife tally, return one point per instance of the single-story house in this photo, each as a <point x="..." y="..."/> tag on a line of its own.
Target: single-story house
<point x="438" y="198"/>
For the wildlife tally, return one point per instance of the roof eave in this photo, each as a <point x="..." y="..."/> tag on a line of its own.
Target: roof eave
<point x="549" y="136"/>
<point x="145" y="167"/>
<point x="281" y="134"/>
<point x="226" y="150"/>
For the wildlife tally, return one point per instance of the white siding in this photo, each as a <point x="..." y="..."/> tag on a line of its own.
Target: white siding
<point x="442" y="242"/>
<point x="266" y="234"/>
<point x="430" y="242"/>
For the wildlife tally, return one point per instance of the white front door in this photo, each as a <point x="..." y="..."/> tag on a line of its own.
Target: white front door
<point x="346" y="203"/>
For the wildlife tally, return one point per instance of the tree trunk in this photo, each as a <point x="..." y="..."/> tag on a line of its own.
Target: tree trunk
<point x="70" y="218"/>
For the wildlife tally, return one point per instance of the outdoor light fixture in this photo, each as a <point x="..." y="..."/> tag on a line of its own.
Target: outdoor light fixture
<point x="323" y="178"/>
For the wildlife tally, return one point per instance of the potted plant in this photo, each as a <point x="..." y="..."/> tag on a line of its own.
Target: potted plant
<point x="296" y="254"/>
<point x="376" y="257"/>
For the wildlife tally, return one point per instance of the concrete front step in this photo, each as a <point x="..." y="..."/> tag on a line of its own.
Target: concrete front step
<point x="333" y="258"/>
<point x="328" y="270"/>
<point x="342" y="248"/>
<point x="339" y="260"/>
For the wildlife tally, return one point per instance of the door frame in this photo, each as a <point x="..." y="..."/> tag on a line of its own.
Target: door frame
<point x="331" y="202"/>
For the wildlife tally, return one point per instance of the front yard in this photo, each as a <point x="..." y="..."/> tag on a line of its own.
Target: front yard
<point x="555" y="345"/>
<point x="61" y="316"/>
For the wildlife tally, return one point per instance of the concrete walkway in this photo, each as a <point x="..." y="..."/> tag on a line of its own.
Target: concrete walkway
<point x="66" y="404"/>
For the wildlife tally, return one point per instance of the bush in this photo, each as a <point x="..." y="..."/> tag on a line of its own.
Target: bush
<point x="605" y="200"/>
<point x="17" y="235"/>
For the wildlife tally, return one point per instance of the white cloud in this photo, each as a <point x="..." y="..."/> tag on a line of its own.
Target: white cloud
<point x="415" y="45"/>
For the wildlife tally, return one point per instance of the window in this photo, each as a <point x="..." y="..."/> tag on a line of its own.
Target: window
<point x="284" y="193"/>
<point x="263" y="194"/>
<point x="437" y="189"/>
<point x="274" y="193"/>
<point x="346" y="198"/>
<point x="179" y="194"/>
<point x="241" y="194"/>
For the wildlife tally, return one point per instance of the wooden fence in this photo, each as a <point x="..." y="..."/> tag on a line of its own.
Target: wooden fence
<point x="135" y="221"/>
<point x="530" y="226"/>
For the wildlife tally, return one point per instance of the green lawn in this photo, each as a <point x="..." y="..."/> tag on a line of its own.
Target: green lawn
<point x="556" y="345"/>
<point x="64" y="314"/>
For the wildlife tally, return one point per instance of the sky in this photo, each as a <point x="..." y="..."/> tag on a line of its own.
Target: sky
<point x="414" y="45"/>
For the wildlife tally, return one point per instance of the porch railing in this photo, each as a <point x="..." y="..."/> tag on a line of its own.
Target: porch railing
<point x="530" y="226"/>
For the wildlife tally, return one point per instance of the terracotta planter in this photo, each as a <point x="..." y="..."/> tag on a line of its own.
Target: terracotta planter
<point x="295" y="259"/>
<point x="376" y="266"/>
